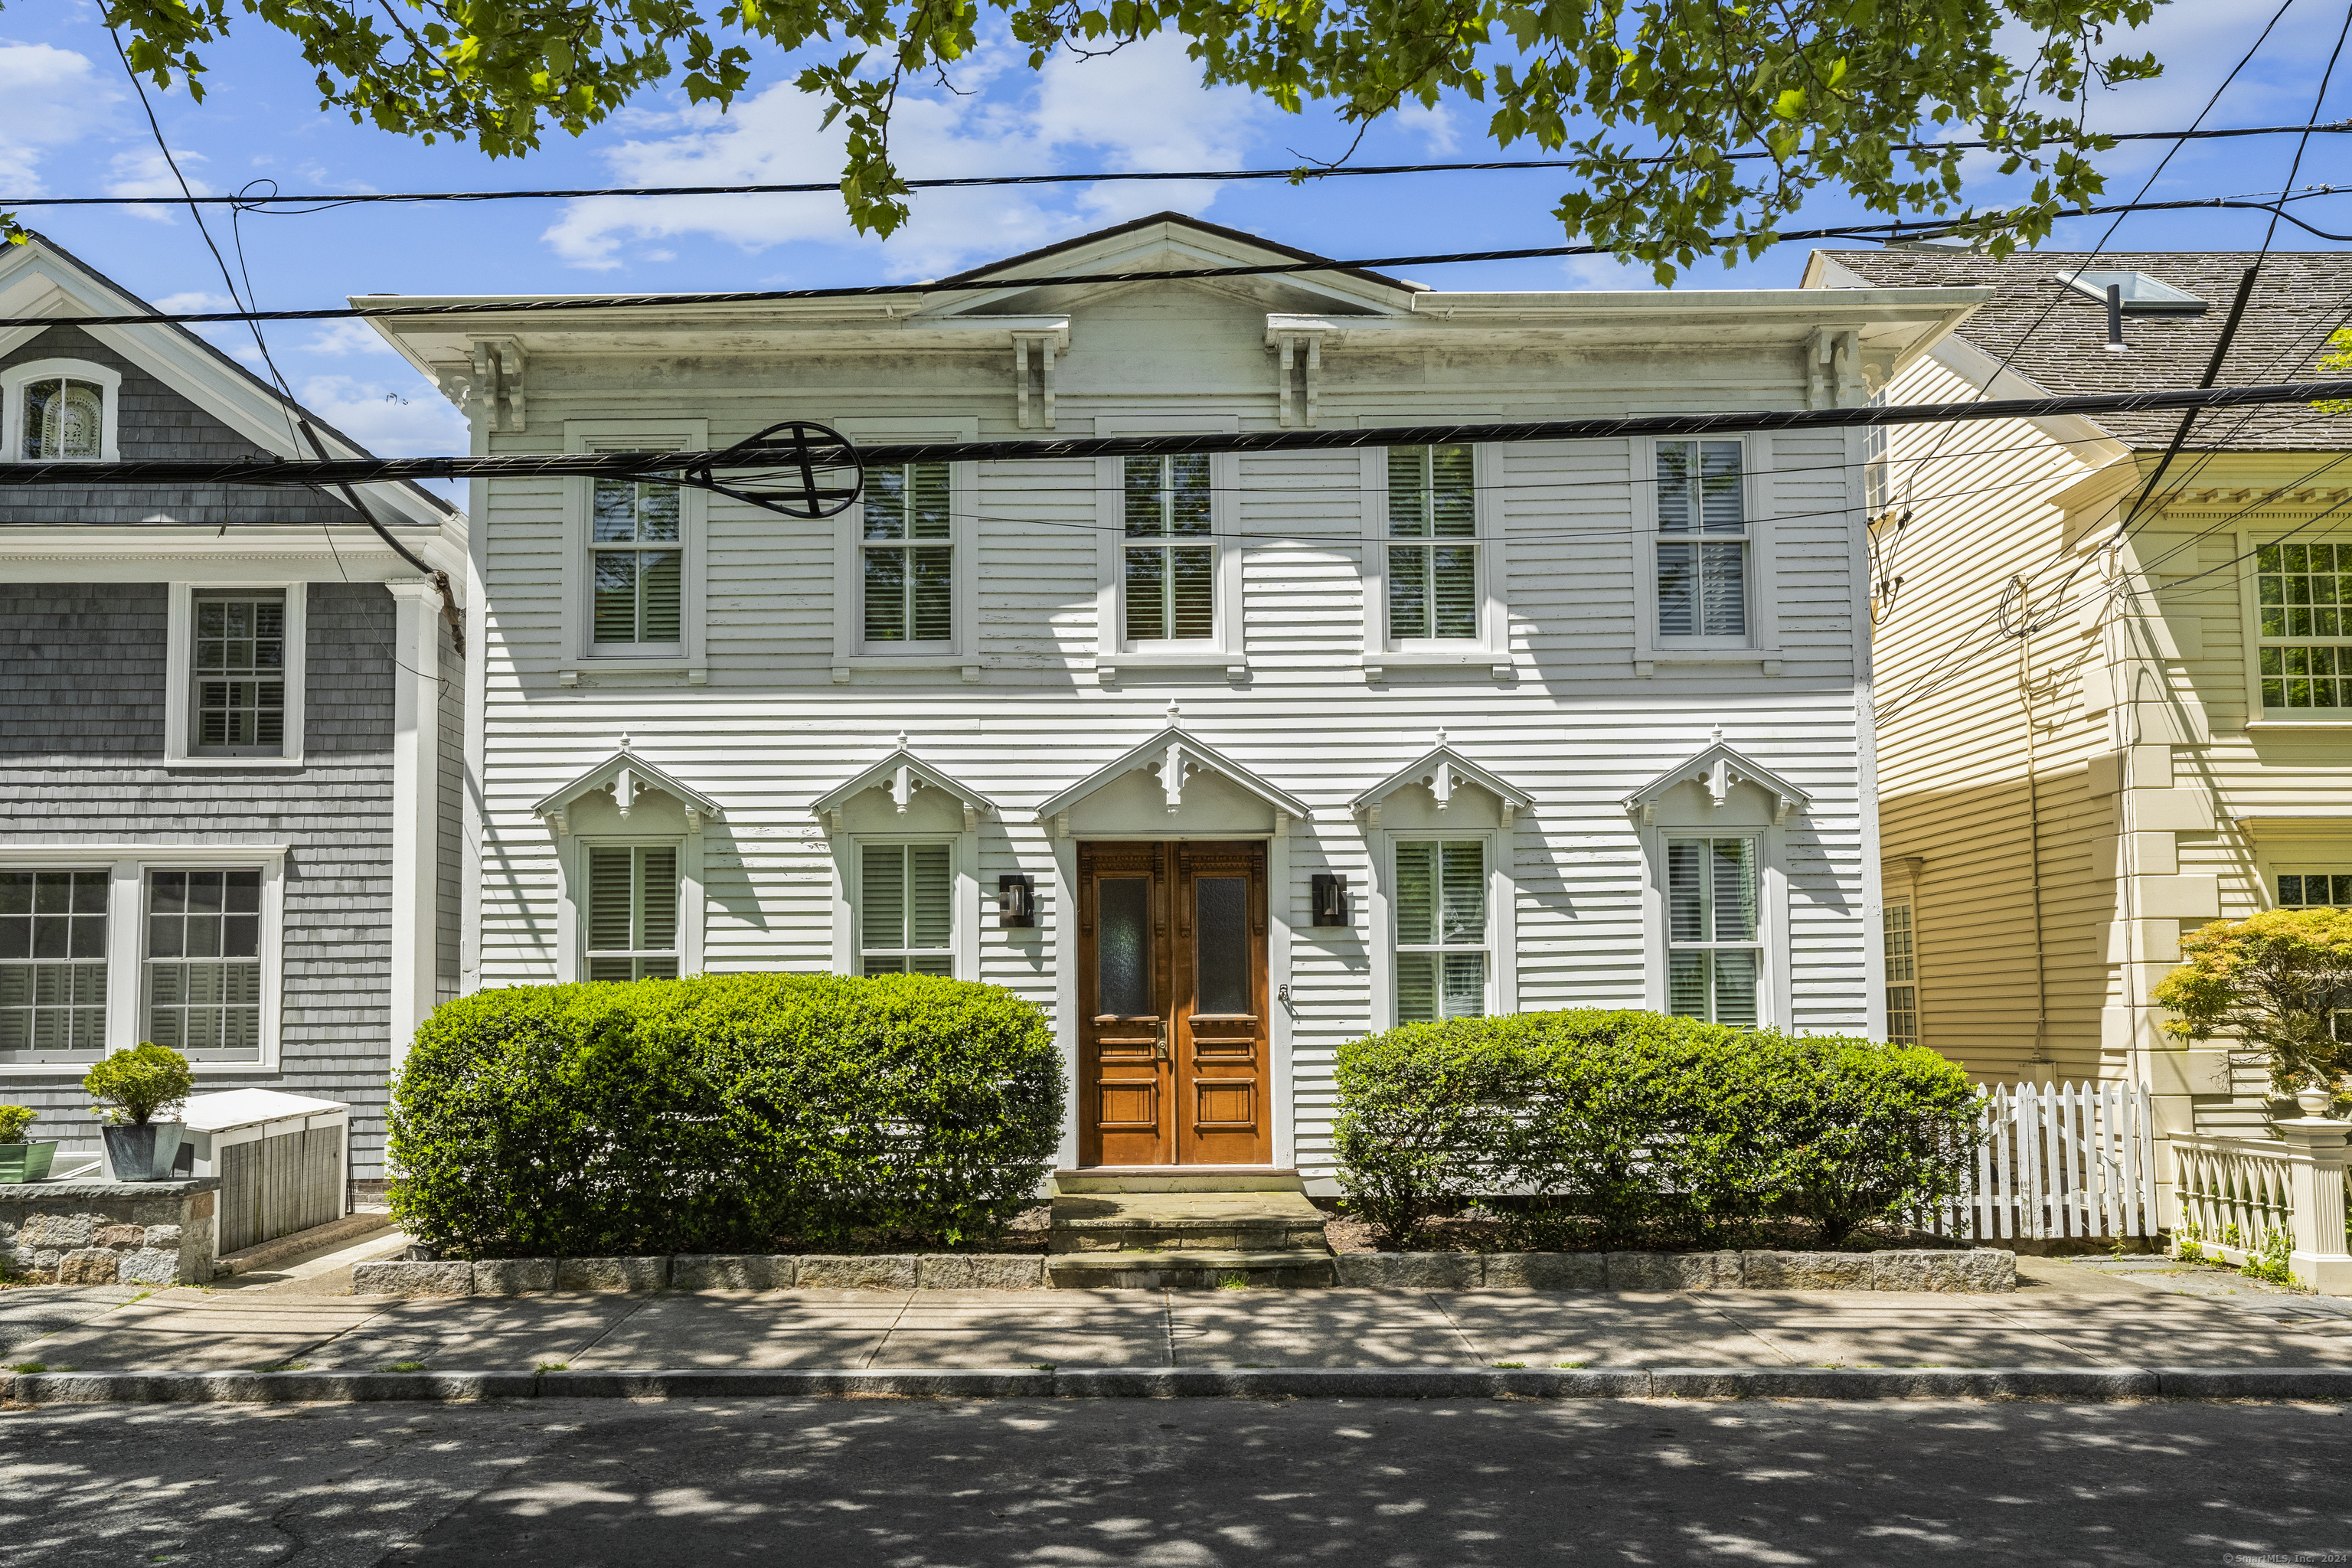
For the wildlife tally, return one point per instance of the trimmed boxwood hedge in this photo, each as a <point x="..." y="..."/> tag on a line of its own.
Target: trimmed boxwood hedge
<point x="1605" y="1127"/>
<point x="720" y="1113"/>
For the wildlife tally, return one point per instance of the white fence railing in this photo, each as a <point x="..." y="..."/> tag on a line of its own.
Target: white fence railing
<point x="2241" y="1193"/>
<point x="2063" y="1160"/>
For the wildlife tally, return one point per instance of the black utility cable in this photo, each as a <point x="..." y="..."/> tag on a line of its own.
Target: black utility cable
<point x="970" y="285"/>
<point x="359" y="470"/>
<point x="1302" y="172"/>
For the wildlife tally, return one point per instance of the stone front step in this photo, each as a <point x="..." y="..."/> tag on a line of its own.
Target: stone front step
<point x="1192" y="1221"/>
<point x="1191" y="1270"/>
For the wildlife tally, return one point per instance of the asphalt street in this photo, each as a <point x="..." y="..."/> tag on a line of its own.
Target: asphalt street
<point x="1180" y="1483"/>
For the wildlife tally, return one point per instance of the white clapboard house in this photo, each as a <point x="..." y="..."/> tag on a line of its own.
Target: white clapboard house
<point x="1224" y="760"/>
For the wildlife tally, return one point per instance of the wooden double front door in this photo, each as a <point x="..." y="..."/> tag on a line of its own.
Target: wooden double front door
<point x="1172" y="1060"/>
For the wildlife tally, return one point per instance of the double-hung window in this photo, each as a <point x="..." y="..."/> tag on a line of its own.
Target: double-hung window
<point x="909" y="557"/>
<point x="52" y="965"/>
<point x="1902" y="976"/>
<point x="632" y="916"/>
<point x="906" y="921"/>
<point x="1442" y="945"/>
<point x="637" y="557"/>
<point x="1432" y="585"/>
<point x="238" y="669"/>
<point x="204" y="963"/>
<point x="1703" y="541"/>
<point x="1714" y="956"/>
<point x="2305" y="889"/>
<point x="2304" y="617"/>
<point x="1170" y="553"/>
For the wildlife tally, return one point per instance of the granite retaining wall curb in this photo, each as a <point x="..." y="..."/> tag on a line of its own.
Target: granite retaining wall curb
<point x="1976" y="1270"/>
<point x="110" y="1232"/>
<point x="2067" y="1382"/>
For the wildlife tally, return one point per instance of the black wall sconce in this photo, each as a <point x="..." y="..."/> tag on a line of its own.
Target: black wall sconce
<point x="1017" y="901"/>
<point x="1331" y="899"/>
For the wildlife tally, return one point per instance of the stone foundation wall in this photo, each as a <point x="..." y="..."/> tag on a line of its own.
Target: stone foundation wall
<point x="110" y="1232"/>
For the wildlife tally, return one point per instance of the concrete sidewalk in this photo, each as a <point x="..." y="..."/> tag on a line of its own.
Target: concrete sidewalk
<point x="2065" y="1314"/>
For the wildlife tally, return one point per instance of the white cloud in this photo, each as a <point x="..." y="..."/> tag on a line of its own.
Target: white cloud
<point x="146" y="173"/>
<point x="349" y="338"/>
<point x="1141" y="108"/>
<point x="1607" y="274"/>
<point x="405" y="418"/>
<point x="193" y="301"/>
<point x="1435" y="126"/>
<point x="54" y="97"/>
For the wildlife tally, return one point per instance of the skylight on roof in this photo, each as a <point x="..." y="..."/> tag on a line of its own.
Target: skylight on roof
<point x="2143" y="294"/>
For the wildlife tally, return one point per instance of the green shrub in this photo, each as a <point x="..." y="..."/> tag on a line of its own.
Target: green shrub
<point x="1605" y="1127"/>
<point x="137" y="1085"/>
<point x="14" y="1120"/>
<point x="718" y="1112"/>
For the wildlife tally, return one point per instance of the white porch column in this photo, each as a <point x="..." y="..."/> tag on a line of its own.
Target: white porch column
<point x="416" y="806"/>
<point x="2315" y="1195"/>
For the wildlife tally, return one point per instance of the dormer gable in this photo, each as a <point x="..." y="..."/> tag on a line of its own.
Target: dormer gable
<point x="622" y="782"/>
<point x="902" y="775"/>
<point x="1174" y="762"/>
<point x="1443" y="772"/>
<point x="1722" y="773"/>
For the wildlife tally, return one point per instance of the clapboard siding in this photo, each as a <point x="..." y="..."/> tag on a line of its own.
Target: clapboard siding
<point x="765" y="723"/>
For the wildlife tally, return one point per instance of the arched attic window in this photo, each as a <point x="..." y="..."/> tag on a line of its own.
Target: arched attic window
<point x="59" y="411"/>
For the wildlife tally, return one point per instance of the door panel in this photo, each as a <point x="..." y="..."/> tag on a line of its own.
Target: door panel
<point x="1173" y="1061"/>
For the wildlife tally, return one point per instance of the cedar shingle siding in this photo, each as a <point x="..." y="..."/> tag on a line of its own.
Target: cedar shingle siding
<point x="158" y="423"/>
<point x="84" y="765"/>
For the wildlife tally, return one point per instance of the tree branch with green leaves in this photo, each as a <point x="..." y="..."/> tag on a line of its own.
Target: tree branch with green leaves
<point x="1646" y="102"/>
<point x="2279" y="984"/>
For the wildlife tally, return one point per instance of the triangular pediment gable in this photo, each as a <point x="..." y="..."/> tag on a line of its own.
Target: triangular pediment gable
<point x="1172" y="757"/>
<point x="901" y="774"/>
<point x="1168" y="242"/>
<point x="1442" y="771"/>
<point x="41" y="279"/>
<point x="1719" y="770"/>
<point x="624" y="775"/>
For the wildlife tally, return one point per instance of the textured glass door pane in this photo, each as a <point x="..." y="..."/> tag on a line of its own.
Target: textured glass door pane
<point x="1735" y="986"/>
<point x="1124" y="924"/>
<point x="1221" y="944"/>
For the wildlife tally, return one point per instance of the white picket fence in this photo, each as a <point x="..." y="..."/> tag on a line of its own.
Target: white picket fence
<point x="2062" y="1159"/>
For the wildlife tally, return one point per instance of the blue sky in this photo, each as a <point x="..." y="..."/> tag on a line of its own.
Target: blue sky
<point x="73" y="127"/>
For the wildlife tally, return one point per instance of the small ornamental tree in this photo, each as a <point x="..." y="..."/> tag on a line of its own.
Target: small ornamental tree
<point x="132" y="1087"/>
<point x="13" y="1121"/>
<point x="2280" y="982"/>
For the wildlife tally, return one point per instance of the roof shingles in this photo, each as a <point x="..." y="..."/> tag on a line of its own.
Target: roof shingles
<point x="2056" y="337"/>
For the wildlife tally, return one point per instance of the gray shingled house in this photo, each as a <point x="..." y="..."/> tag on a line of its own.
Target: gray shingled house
<point x="231" y="731"/>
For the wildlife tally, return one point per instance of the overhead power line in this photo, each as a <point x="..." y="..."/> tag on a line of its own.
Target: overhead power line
<point x="1301" y="173"/>
<point x="683" y="465"/>
<point x="970" y="285"/>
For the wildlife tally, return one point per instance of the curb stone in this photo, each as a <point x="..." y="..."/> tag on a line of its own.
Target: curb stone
<point x="1852" y="1384"/>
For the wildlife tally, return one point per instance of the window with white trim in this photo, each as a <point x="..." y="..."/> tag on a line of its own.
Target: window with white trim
<point x="1434" y="592"/>
<point x="1902" y="976"/>
<point x="204" y="963"/>
<point x="1442" y="942"/>
<point x="637" y="557"/>
<point x="58" y="411"/>
<point x="1169" y="571"/>
<point x="237" y="671"/>
<point x="907" y="558"/>
<point x="2305" y="889"/>
<point x="906" y="917"/>
<point x="1715" y="956"/>
<point x="2303" y="596"/>
<point x="632" y="914"/>
<point x="52" y="965"/>
<point x="1703" y="539"/>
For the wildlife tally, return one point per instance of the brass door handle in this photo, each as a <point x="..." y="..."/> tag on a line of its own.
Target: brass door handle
<point x="1159" y="1048"/>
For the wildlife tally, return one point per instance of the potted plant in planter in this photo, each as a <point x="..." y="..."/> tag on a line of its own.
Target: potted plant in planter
<point x="21" y="1160"/>
<point x="133" y="1087"/>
